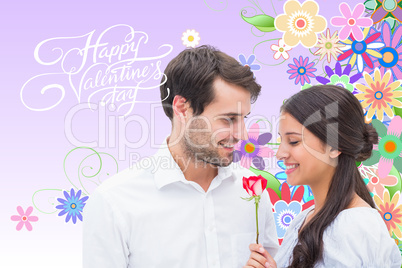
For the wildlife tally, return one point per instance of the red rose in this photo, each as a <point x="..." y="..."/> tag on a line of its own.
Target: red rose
<point x="254" y="185"/>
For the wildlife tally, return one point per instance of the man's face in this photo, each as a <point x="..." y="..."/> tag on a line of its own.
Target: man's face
<point x="211" y="136"/>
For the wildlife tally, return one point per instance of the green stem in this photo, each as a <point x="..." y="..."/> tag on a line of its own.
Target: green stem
<point x="257" y="201"/>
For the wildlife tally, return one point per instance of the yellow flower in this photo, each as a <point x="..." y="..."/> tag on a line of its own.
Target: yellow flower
<point x="378" y="95"/>
<point x="391" y="212"/>
<point x="300" y="23"/>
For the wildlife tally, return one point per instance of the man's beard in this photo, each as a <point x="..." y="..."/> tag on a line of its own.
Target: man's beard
<point x="193" y="147"/>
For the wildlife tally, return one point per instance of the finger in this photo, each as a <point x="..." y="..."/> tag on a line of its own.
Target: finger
<point x="258" y="258"/>
<point x="254" y="264"/>
<point x="254" y="247"/>
<point x="269" y="260"/>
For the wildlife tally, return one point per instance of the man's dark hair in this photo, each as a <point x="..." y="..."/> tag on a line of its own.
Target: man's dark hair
<point x="191" y="74"/>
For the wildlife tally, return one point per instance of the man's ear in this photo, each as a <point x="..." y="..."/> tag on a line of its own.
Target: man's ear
<point x="333" y="153"/>
<point x="181" y="108"/>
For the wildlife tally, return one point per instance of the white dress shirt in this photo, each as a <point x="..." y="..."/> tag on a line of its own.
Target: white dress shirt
<point x="151" y="216"/>
<point x="358" y="237"/>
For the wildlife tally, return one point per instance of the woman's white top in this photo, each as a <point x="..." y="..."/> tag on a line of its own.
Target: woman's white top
<point x="358" y="237"/>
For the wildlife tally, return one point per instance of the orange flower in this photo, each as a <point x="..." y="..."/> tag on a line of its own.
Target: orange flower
<point x="391" y="212"/>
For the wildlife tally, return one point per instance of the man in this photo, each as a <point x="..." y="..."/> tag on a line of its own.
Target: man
<point x="189" y="213"/>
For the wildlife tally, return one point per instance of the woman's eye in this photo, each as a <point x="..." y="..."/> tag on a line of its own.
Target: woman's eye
<point x="293" y="142"/>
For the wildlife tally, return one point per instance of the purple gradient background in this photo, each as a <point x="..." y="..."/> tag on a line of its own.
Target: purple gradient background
<point x="34" y="145"/>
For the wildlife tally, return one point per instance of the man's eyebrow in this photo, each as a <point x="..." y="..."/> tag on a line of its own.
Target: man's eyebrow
<point x="232" y="114"/>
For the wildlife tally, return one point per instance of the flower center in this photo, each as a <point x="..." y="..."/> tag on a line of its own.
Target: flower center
<point x="378" y="95"/>
<point x="339" y="84"/>
<point x="351" y="22"/>
<point x="281" y="49"/>
<point x="190" y="38"/>
<point x="390" y="147"/>
<point x="24" y="218"/>
<point x="374" y="180"/>
<point x="287" y="219"/>
<point x="390" y="57"/>
<point x="73" y="206"/>
<point x="301" y="70"/>
<point x="359" y="47"/>
<point x="249" y="148"/>
<point x="389" y="5"/>
<point x="387" y="216"/>
<point x="300" y="23"/>
<point x="328" y="45"/>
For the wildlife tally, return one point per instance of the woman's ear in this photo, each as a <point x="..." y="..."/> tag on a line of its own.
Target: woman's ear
<point x="333" y="153"/>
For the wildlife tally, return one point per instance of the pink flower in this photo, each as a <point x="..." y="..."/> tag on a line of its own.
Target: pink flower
<point x="253" y="150"/>
<point x="351" y="21"/>
<point x="24" y="218"/>
<point x="254" y="185"/>
<point x="376" y="183"/>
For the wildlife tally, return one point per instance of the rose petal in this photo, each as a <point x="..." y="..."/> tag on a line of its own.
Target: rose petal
<point x="257" y="188"/>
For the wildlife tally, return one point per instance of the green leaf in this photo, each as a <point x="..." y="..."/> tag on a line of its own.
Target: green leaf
<point x="393" y="189"/>
<point x="379" y="126"/>
<point x="272" y="182"/>
<point x="264" y="23"/>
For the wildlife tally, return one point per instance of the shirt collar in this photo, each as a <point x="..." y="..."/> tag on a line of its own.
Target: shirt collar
<point x="169" y="172"/>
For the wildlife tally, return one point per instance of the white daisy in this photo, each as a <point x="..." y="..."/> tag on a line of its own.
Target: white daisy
<point x="281" y="50"/>
<point x="191" y="38"/>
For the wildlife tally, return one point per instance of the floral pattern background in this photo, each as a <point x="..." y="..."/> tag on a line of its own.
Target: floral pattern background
<point x="289" y="45"/>
<point x="365" y="44"/>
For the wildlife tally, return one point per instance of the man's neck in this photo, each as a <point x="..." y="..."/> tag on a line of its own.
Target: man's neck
<point x="193" y="170"/>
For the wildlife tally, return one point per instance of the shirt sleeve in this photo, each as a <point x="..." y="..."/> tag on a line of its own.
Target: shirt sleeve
<point x="360" y="240"/>
<point x="270" y="237"/>
<point x="104" y="244"/>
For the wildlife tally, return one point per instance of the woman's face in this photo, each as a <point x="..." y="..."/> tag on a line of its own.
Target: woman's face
<point x="308" y="160"/>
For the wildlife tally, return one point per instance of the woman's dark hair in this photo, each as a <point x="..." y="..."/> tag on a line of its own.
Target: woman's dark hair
<point x="335" y="116"/>
<point x="191" y="74"/>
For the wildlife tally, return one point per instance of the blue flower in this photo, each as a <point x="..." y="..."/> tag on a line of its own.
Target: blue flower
<point x="72" y="205"/>
<point x="249" y="62"/>
<point x="284" y="215"/>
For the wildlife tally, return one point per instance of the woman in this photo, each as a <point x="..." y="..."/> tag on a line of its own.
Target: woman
<point x="323" y="135"/>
